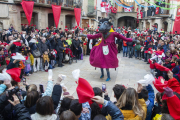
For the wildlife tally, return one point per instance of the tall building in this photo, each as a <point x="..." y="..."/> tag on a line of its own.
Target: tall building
<point x="153" y="16"/>
<point x="12" y="13"/>
<point x="125" y="16"/>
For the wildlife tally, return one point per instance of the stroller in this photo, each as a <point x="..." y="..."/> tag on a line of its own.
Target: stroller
<point x="69" y="56"/>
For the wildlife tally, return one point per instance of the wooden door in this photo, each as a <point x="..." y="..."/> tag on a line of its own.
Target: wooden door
<point x="85" y="23"/>
<point x="50" y="20"/>
<point x="147" y="25"/>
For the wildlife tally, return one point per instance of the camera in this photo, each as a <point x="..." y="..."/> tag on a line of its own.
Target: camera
<point x="9" y="93"/>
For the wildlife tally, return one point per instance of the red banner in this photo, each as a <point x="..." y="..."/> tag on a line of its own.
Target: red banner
<point x="157" y="10"/>
<point x="77" y="12"/>
<point x="28" y="9"/>
<point x="178" y="11"/>
<point x="56" y="13"/>
<point x="176" y="25"/>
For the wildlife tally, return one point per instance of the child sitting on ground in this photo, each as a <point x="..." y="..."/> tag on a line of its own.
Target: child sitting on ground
<point x="46" y="60"/>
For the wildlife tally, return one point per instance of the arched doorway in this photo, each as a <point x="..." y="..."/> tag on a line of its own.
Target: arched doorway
<point x="147" y="25"/>
<point x="50" y="20"/>
<point x="165" y="25"/>
<point x="34" y="19"/>
<point x="127" y="21"/>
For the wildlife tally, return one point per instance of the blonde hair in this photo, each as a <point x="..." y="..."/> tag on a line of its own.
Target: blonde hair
<point x="32" y="87"/>
<point x="130" y="97"/>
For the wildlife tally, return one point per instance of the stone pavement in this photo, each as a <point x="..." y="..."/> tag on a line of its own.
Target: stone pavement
<point x="128" y="72"/>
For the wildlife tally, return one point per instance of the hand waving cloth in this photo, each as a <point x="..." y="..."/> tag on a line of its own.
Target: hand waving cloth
<point x="84" y="90"/>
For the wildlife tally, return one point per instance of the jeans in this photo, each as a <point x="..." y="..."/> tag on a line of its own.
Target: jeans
<point x="41" y="64"/>
<point x="32" y="70"/>
<point x="130" y="51"/>
<point x="38" y="64"/>
<point x="137" y="54"/>
<point x="125" y="50"/>
<point x="108" y="73"/>
<point x="147" y="56"/>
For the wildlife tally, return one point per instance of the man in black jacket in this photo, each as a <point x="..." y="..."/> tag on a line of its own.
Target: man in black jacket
<point x="43" y="47"/>
<point x="60" y="48"/>
<point x="19" y="109"/>
<point x="130" y="49"/>
<point x="76" y="44"/>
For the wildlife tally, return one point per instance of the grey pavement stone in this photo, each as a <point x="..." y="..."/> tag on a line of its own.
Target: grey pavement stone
<point x="128" y="72"/>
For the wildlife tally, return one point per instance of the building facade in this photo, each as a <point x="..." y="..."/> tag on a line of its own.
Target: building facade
<point x="12" y="13"/>
<point x="163" y="19"/>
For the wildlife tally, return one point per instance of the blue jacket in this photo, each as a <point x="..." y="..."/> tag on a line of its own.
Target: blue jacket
<point x="151" y="99"/>
<point x="2" y="88"/>
<point x="112" y="110"/>
<point x="165" y="48"/>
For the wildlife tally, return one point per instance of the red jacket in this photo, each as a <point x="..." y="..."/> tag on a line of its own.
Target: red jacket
<point x="174" y="107"/>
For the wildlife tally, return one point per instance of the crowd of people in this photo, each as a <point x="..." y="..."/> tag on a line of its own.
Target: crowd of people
<point x="33" y="50"/>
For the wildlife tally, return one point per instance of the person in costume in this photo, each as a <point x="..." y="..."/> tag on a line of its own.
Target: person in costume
<point x="104" y="54"/>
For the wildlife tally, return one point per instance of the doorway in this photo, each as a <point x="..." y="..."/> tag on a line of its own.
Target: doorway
<point x="34" y="19"/>
<point x="50" y="20"/>
<point x="69" y="21"/>
<point x="85" y="23"/>
<point x="147" y="25"/>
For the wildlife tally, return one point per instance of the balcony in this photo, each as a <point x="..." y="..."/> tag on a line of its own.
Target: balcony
<point x="162" y="13"/>
<point x="91" y="11"/>
<point x="65" y="4"/>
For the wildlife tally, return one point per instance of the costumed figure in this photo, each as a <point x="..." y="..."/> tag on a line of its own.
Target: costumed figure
<point x="104" y="54"/>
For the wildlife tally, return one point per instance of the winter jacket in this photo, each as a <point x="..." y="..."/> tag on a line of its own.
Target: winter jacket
<point x="130" y="44"/>
<point x="69" y="41"/>
<point x="138" y="47"/>
<point x="151" y="99"/>
<point x="76" y="44"/>
<point x="28" y="61"/>
<point x="37" y="116"/>
<point x="20" y="110"/>
<point x="49" y="89"/>
<point x="156" y="110"/>
<point x="130" y="115"/>
<point x="52" y="43"/>
<point x="32" y="59"/>
<point x="34" y="46"/>
<point x="56" y="95"/>
<point x="113" y="111"/>
<point x="45" y="57"/>
<point x="173" y="104"/>
<point x="59" y="46"/>
<point x="2" y="88"/>
<point x="43" y="47"/>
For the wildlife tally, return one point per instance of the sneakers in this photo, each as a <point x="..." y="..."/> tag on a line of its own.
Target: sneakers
<point x="102" y="76"/>
<point x="46" y="70"/>
<point x="108" y="79"/>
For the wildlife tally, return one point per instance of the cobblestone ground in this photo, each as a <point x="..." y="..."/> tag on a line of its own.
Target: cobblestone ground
<point x="128" y="72"/>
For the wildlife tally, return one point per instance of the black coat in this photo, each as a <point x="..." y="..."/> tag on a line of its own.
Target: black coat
<point x="59" y="46"/>
<point x="56" y="95"/>
<point x="19" y="109"/>
<point x="53" y="43"/>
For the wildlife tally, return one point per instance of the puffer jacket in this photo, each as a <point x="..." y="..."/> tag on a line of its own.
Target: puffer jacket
<point x="130" y="115"/>
<point x="113" y="111"/>
<point x="20" y="109"/>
